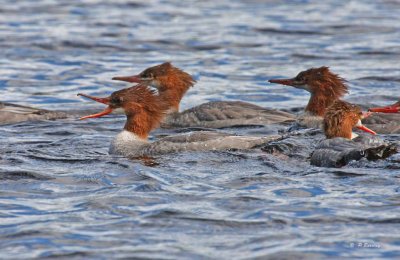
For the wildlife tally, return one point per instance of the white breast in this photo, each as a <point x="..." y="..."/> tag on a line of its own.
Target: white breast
<point x="126" y="143"/>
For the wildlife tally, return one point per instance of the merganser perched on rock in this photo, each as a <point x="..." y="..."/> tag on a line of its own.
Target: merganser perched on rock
<point x="172" y="83"/>
<point x="144" y="110"/>
<point x="11" y="113"/>
<point x="342" y="145"/>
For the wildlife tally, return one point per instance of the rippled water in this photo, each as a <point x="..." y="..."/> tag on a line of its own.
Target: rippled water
<point x="62" y="194"/>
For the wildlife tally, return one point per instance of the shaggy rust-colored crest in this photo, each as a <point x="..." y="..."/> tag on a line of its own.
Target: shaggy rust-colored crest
<point x="325" y="88"/>
<point x="171" y="82"/>
<point x="144" y="109"/>
<point x="340" y="118"/>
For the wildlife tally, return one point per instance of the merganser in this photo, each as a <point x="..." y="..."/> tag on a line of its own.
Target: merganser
<point x="342" y="145"/>
<point x="12" y="113"/>
<point x="325" y="88"/>
<point x="172" y="83"/>
<point x="144" y="110"/>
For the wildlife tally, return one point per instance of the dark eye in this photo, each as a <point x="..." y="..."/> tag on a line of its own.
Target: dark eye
<point x="115" y="100"/>
<point x="300" y="78"/>
<point x="147" y="75"/>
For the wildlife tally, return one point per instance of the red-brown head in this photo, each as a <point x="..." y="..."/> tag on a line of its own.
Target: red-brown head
<point x="143" y="108"/>
<point x="171" y="82"/>
<point x="325" y="87"/>
<point x="340" y="119"/>
<point x="395" y="108"/>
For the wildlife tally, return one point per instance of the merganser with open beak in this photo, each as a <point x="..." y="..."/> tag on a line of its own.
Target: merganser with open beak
<point x="325" y="88"/>
<point x="144" y="110"/>
<point x="342" y="145"/>
<point x="172" y="83"/>
<point x="12" y="113"/>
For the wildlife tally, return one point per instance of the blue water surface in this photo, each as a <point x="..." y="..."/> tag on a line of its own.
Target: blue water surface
<point x="63" y="195"/>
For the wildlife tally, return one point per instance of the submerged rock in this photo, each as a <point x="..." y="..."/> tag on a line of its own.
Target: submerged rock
<point x="338" y="152"/>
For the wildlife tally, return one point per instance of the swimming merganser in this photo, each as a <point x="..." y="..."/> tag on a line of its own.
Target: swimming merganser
<point x="144" y="110"/>
<point x="172" y="83"/>
<point x="325" y="88"/>
<point x="342" y="145"/>
<point x="12" y="113"/>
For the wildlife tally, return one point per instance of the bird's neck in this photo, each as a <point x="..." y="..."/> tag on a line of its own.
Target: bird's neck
<point x="318" y="103"/>
<point x="172" y="89"/>
<point x="140" y="124"/>
<point x="173" y="97"/>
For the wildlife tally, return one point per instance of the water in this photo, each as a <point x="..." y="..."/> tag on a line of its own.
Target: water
<point x="61" y="194"/>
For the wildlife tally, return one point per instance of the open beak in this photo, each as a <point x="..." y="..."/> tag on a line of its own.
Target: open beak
<point x="388" y="109"/>
<point x="105" y="101"/>
<point x="364" y="128"/>
<point x="132" y="79"/>
<point x="287" y="82"/>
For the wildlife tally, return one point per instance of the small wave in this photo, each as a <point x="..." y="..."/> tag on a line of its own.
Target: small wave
<point x="20" y="175"/>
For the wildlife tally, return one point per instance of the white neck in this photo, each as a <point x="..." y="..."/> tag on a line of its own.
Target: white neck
<point x="353" y="135"/>
<point x="126" y="143"/>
